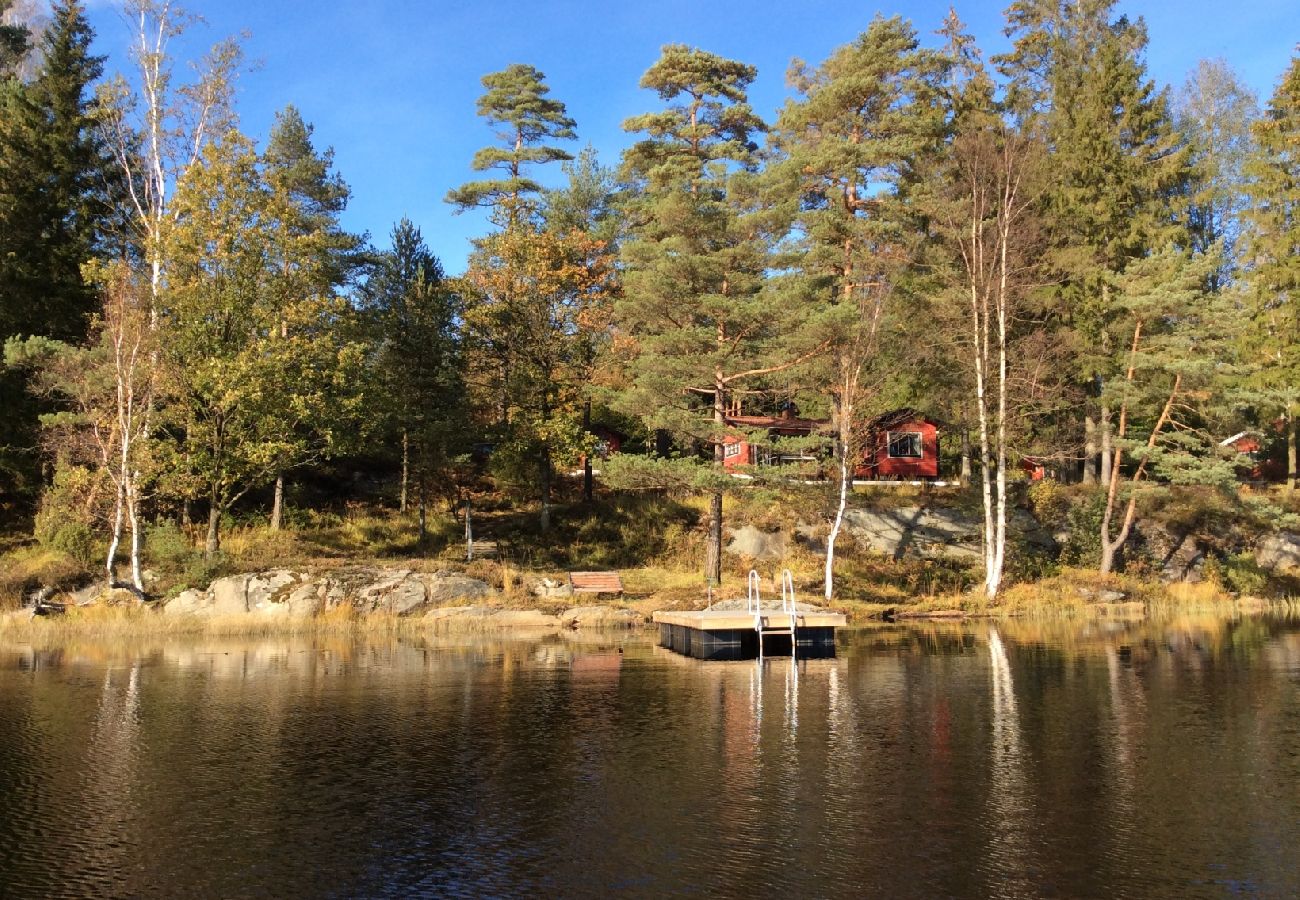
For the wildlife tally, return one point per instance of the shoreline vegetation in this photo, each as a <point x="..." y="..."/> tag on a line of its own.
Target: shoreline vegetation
<point x="368" y="561"/>
<point x="128" y="622"/>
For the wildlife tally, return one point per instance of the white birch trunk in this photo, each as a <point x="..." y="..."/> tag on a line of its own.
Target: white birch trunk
<point x="839" y="519"/>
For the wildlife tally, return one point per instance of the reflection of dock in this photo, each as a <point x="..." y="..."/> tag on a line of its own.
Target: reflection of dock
<point x="736" y="634"/>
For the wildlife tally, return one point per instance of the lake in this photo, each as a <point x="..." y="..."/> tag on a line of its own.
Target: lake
<point x="1016" y="760"/>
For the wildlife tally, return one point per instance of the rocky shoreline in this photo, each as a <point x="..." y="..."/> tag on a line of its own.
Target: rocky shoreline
<point x="440" y="599"/>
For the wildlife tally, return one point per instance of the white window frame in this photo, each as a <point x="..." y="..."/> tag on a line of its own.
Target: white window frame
<point x="892" y="436"/>
<point x="732" y="449"/>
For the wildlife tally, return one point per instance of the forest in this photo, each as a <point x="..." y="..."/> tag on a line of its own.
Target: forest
<point x="1091" y="281"/>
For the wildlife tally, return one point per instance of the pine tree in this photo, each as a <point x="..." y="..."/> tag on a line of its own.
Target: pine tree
<point x="693" y="310"/>
<point x="531" y="287"/>
<point x="56" y="182"/>
<point x="850" y="142"/>
<point x="516" y="104"/>
<point x="1273" y="256"/>
<point x="316" y="256"/>
<point x="1078" y="80"/>
<point x="414" y="316"/>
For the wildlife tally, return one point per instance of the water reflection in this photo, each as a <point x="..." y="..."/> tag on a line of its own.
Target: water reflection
<point x="1025" y="759"/>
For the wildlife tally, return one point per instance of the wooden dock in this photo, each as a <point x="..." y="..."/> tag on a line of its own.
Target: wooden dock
<point x="722" y="634"/>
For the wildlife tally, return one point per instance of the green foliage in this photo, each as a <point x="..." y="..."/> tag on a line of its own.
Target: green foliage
<point x="1083" y="525"/>
<point x="515" y="102"/>
<point x="1238" y="572"/>
<point x="266" y="372"/>
<point x="57" y="186"/>
<point x="1049" y="501"/>
<point x="167" y="546"/>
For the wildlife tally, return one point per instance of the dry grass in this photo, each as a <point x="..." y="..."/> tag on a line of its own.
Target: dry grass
<point x="104" y="621"/>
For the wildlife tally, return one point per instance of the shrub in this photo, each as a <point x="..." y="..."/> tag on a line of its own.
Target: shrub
<point x="1239" y="573"/>
<point x="1083" y="544"/>
<point x="167" y="546"/>
<point x="77" y="541"/>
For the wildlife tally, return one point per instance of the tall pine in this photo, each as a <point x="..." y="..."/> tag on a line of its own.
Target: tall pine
<point x="701" y="328"/>
<point x="1273" y="256"/>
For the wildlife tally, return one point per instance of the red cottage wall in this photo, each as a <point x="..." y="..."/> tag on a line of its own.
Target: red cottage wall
<point x="739" y="459"/>
<point x="877" y="463"/>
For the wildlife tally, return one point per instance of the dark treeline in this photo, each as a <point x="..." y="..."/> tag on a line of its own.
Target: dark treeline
<point x="1055" y="256"/>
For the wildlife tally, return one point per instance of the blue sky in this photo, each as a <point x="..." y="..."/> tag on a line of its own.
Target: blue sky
<point x="391" y="84"/>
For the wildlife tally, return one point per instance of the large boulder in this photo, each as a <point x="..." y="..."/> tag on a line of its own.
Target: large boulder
<point x="229" y="595"/>
<point x="265" y="591"/>
<point x="750" y="542"/>
<point x="398" y="592"/>
<point x="915" y="531"/>
<point x="1279" y="552"/>
<point x="1177" y="554"/>
<point x="192" y="602"/>
<point x="445" y="588"/>
<point x="599" y="617"/>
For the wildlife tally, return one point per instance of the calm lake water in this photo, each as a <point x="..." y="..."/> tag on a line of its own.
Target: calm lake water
<point x="1017" y="761"/>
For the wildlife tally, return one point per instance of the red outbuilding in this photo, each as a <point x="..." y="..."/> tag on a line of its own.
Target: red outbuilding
<point x="901" y="445"/>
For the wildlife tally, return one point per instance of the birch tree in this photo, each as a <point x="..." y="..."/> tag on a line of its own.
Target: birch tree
<point x="106" y="391"/>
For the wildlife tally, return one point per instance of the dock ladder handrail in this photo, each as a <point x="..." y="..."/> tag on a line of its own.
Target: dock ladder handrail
<point x="752" y="601"/>
<point x="791" y="606"/>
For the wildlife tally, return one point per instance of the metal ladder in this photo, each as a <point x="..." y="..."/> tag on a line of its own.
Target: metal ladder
<point x="754" y="606"/>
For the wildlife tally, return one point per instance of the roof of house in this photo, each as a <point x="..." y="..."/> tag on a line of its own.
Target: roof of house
<point x="1228" y="442"/>
<point x="791" y="423"/>
<point x="901" y="417"/>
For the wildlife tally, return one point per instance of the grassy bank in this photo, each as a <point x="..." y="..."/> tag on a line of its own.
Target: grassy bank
<point x="657" y="543"/>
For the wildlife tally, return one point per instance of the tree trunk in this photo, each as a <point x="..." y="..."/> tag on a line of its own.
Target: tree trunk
<point x="1090" y="449"/>
<point x="406" y="471"/>
<point x="423" y="513"/>
<point x="469" y="531"/>
<point x="965" y="455"/>
<point x="1290" y="451"/>
<point x="133" y="516"/>
<point x="1107" y="437"/>
<point x="213" y="544"/>
<point x="187" y="514"/>
<point x="713" y="552"/>
<point x="277" y="505"/>
<point x="546" y="489"/>
<point x="587" y="485"/>
<point x="845" y="475"/>
<point x="119" y="514"/>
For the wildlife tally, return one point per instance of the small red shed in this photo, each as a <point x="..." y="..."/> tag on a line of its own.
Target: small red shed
<point x="1254" y="463"/>
<point x="902" y="444"/>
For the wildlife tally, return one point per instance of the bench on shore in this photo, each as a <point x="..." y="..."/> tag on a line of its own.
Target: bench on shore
<point x="596" y="582"/>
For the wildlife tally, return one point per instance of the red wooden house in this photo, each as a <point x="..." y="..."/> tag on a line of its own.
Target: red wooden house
<point x="901" y="445"/>
<point x="738" y="451"/>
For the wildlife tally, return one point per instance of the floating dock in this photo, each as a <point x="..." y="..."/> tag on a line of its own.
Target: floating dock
<point x="740" y="634"/>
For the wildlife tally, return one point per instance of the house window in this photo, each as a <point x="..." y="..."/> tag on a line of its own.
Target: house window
<point x="732" y="449"/>
<point x="904" y="444"/>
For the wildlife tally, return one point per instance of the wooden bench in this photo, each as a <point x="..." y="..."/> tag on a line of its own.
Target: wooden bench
<point x="483" y="549"/>
<point x="596" y="582"/>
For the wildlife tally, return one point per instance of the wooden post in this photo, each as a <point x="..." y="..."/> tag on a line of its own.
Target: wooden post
<point x="469" y="534"/>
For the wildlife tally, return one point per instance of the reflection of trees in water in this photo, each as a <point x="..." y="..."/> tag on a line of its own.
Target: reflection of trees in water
<point x="1010" y="810"/>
